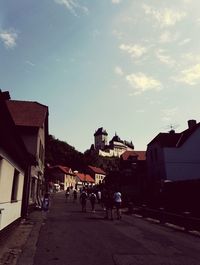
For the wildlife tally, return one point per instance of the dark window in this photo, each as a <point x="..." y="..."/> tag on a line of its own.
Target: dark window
<point x="15" y="186"/>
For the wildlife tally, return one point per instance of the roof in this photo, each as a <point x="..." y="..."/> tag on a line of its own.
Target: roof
<point x="141" y="155"/>
<point x="84" y="177"/>
<point x="97" y="170"/>
<point x="10" y="141"/>
<point x="27" y="113"/>
<point x="64" y="169"/>
<point x="100" y="131"/>
<point x="173" y="139"/>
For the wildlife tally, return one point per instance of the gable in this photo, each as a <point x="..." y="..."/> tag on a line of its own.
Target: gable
<point x="27" y="113"/>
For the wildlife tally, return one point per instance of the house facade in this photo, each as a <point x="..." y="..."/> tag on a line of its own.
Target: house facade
<point x="31" y="120"/>
<point x="63" y="176"/>
<point x="14" y="169"/>
<point x="84" y="180"/>
<point x="175" y="156"/>
<point x="97" y="174"/>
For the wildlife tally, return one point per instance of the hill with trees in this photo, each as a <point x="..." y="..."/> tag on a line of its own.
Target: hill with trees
<point x="61" y="153"/>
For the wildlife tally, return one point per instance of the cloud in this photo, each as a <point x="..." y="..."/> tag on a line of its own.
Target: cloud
<point x="72" y="5"/>
<point x="30" y="63"/>
<point x="141" y="83"/>
<point x="8" y="37"/>
<point x="165" y="17"/>
<point x="185" y="41"/>
<point x="170" y="111"/>
<point x="190" y="76"/>
<point x="168" y="114"/>
<point x="135" y="51"/>
<point x="167" y="37"/>
<point x="165" y="59"/>
<point x="119" y="71"/>
<point x="116" y="1"/>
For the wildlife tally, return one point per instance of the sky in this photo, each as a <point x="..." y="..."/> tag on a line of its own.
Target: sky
<point x="129" y="66"/>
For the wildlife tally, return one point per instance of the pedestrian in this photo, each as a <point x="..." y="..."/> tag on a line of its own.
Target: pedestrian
<point x="83" y="200"/>
<point x="67" y="193"/>
<point x="75" y="195"/>
<point x="92" y="198"/>
<point x="118" y="201"/>
<point x="45" y="202"/>
<point x="108" y="203"/>
<point x="99" y="196"/>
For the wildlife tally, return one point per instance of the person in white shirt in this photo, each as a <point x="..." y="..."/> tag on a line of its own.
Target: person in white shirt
<point x="118" y="201"/>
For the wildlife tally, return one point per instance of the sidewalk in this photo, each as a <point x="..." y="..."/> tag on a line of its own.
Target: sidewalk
<point x="15" y="248"/>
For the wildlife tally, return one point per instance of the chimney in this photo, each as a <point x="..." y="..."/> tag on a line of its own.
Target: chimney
<point x="191" y="124"/>
<point x="5" y="95"/>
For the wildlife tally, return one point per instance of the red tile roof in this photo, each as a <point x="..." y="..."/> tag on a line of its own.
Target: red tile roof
<point x="141" y="155"/>
<point x="27" y="113"/>
<point x="97" y="170"/>
<point x="85" y="177"/>
<point x="64" y="169"/>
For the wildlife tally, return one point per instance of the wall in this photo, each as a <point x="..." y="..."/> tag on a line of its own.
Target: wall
<point x="12" y="210"/>
<point x="183" y="163"/>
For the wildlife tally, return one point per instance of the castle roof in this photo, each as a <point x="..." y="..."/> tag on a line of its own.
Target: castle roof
<point x="100" y="131"/>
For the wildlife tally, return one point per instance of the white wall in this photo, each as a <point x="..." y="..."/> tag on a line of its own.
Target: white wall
<point x="12" y="210"/>
<point x="184" y="162"/>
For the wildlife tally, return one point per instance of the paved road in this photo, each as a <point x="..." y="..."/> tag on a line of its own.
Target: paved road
<point x="70" y="237"/>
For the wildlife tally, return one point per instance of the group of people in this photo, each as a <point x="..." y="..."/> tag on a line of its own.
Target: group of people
<point x="107" y="198"/>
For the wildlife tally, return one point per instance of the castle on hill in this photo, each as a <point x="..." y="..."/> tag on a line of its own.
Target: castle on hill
<point x="115" y="148"/>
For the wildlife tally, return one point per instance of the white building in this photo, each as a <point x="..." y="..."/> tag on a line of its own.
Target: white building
<point x="14" y="168"/>
<point x="116" y="146"/>
<point x="175" y="156"/>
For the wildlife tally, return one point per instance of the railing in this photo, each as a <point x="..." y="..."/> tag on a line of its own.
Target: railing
<point x="184" y="219"/>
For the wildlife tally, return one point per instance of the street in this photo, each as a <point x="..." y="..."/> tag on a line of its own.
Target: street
<point x="70" y="237"/>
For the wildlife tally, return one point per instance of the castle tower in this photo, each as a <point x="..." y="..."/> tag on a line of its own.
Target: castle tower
<point x="100" y="139"/>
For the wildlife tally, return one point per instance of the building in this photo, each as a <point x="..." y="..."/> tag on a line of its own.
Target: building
<point x="14" y="168"/>
<point x="84" y="180"/>
<point x="31" y="120"/>
<point x="116" y="146"/>
<point x="63" y="176"/>
<point x="133" y="174"/>
<point x="174" y="156"/>
<point x="97" y="174"/>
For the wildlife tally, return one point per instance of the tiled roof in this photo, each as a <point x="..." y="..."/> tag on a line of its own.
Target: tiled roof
<point x="141" y="155"/>
<point x="174" y="139"/>
<point x="97" y="170"/>
<point x="85" y="177"/>
<point x="64" y="169"/>
<point x="27" y="113"/>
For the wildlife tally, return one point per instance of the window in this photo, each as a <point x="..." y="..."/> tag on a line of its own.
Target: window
<point x="41" y="152"/>
<point x="15" y="186"/>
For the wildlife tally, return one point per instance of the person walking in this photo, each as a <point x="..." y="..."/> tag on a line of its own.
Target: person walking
<point x="92" y="198"/>
<point x="67" y="193"/>
<point x="83" y="200"/>
<point x="108" y="203"/>
<point x="45" y="202"/>
<point x="75" y="195"/>
<point x="117" y="202"/>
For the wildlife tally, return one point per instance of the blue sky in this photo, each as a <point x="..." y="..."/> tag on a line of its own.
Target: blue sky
<point x="132" y="67"/>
